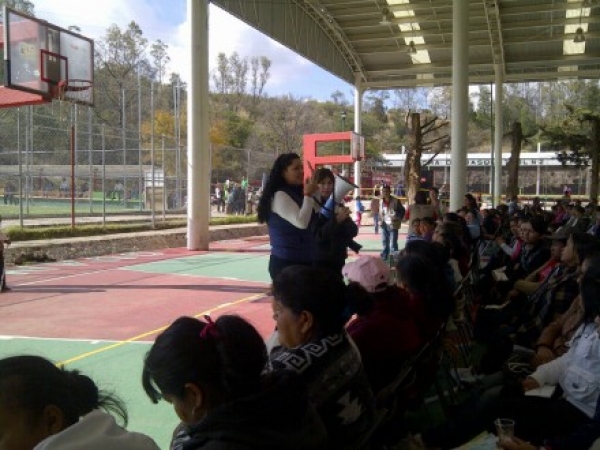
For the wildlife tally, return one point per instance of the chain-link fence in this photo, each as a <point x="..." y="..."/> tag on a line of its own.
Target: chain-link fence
<point x="55" y="156"/>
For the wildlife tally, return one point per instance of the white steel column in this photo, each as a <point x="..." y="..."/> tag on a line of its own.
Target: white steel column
<point x="198" y="150"/>
<point x="538" y="174"/>
<point x="460" y="101"/>
<point x="358" y="98"/>
<point x="498" y="133"/>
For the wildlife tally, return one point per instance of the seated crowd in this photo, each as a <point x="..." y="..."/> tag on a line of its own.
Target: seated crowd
<point x="340" y="342"/>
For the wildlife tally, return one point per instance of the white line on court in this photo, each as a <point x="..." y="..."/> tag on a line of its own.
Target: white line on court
<point x="92" y="272"/>
<point x="88" y="341"/>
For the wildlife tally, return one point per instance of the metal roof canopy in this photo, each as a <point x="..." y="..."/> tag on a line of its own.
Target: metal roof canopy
<point x="527" y="40"/>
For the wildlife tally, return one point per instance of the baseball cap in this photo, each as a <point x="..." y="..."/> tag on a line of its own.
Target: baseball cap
<point x="370" y="272"/>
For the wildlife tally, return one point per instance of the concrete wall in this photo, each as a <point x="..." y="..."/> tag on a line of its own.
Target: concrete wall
<point x="83" y="247"/>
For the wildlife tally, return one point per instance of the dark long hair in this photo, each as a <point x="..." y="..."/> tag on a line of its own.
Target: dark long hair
<point x="590" y="289"/>
<point x="274" y="184"/>
<point x="584" y="245"/>
<point x="318" y="291"/>
<point x="473" y="205"/>
<point x="31" y="383"/>
<point x="425" y="277"/>
<point x="226" y="363"/>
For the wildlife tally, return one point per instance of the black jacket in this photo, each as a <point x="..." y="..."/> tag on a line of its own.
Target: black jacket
<point x="332" y="240"/>
<point x="277" y="417"/>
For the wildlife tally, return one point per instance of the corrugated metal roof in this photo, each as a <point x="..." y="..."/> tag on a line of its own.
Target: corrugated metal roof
<point x="529" y="39"/>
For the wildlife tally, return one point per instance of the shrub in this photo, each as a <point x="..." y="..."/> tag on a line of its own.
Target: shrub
<point x="17" y="234"/>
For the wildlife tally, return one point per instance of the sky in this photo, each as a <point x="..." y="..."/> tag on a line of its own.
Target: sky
<point x="166" y="20"/>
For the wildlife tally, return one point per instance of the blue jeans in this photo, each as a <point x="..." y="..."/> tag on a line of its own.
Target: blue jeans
<point x="387" y="232"/>
<point x="376" y="222"/>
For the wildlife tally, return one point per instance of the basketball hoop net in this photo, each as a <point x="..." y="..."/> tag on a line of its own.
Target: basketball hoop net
<point x="78" y="91"/>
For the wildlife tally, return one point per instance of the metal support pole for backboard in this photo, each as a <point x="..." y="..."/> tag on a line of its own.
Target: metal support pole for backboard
<point x="164" y="202"/>
<point x="124" y="131"/>
<point x="153" y="193"/>
<point x="177" y="146"/>
<point x="20" y="160"/>
<point x="27" y="143"/>
<point x="140" y="171"/>
<point x="72" y="142"/>
<point x="103" y="138"/>
<point x="29" y="180"/>
<point x="91" y="160"/>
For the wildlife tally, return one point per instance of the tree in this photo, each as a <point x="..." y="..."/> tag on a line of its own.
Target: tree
<point x="375" y="104"/>
<point x="339" y="98"/>
<point x="285" y="120"/>
<point x="118" y="56"/>
<point x="239" y="82"/>
<point x="417" y="145"/>
<point x="259" y="67"/>
<point x="517" y="138"/>
<point x="577" y="139"/>
<point x="483" y="115"/>
<point x="160" y="58"/>
<point x="410" y="99"/>
<point x="23" y="6"/>
<point x="221" y="75"/>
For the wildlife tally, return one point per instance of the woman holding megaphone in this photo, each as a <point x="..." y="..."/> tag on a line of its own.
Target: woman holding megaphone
<point x="333" y="228"/>
<point x="287" y="207"/>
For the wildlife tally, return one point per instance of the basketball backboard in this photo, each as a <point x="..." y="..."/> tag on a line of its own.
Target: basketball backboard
<point x="45" y="60"/>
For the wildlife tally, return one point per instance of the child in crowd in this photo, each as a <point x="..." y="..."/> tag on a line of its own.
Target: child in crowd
<point x="4" y="240"/>
<point x="43" y="407"/>
<point x="375" y="208"/>
<point x="427" y="228"/>
<point x="211" y="372"/>
<point x="360" y="209"/>
<point x="415" y="234"/>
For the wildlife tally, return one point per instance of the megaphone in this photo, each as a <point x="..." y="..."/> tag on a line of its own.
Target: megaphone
<point x="343" y="186"/>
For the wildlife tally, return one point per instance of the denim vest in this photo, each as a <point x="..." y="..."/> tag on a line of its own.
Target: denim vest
<point x="287" y="241"/>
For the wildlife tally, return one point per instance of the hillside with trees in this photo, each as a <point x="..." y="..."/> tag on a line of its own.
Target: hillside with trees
<point x="142" y="100"/>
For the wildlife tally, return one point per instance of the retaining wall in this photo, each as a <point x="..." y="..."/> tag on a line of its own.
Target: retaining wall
<point x="82" y="247"/>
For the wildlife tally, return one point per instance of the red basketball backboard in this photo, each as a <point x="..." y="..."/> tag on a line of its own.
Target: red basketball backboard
<point x="44" y="62"/>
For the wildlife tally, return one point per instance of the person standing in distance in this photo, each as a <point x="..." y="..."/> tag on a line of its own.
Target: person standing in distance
<point x="392" y="212"/>
<point x="375" y="207"/>
<point x="287" y="207"/>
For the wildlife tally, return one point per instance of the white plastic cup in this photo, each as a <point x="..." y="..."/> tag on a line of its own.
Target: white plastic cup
<point x="505" y="429"/>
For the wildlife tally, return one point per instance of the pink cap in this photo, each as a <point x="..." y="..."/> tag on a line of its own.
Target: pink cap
<point x="370" y="272"/>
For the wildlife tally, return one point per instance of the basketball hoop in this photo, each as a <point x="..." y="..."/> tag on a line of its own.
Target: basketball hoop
<point x="78" y="91"/>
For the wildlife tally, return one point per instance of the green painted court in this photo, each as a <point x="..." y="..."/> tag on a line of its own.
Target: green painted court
<point x="100" y="315"/>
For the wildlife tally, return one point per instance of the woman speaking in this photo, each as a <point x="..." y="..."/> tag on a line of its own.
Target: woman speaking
<point x="287" y="207"/>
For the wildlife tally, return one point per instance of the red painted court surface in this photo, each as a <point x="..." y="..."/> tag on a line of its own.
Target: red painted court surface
<point x="108" y="298"/>
<point x="99" y="315"/>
